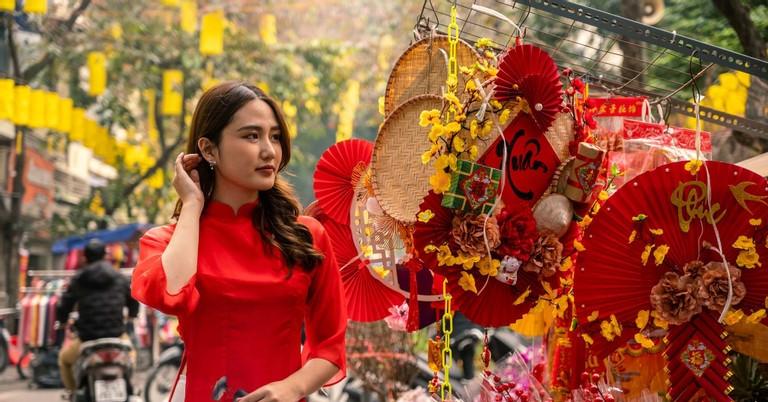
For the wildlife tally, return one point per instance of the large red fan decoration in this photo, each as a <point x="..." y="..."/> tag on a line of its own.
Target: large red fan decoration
<point x="432" y="228"/>
<point x="656" y="235"/>
<point x="339" y="170"/>
<point x="368" y="299"/>
<point x="528" y="74"/>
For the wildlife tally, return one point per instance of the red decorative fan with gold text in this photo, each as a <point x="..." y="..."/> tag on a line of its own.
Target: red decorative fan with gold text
<point x="656" y="255"/>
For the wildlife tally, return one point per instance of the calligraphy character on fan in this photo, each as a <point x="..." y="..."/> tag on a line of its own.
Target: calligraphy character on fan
<point x="240" y="268"/>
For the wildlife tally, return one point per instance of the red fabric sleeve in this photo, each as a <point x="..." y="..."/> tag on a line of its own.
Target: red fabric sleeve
<point x="149" y="284"/>
<point x="326" y="313"/>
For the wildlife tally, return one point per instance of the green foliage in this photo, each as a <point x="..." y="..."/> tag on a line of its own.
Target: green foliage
<point x="750" y="380"/>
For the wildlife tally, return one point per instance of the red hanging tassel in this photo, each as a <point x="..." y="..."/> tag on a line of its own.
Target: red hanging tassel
<point x="414" y="265"/>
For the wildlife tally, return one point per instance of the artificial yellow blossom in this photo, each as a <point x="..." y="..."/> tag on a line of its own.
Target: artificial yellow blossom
<point x="693" y="166"/>
<point x="440" y="181"/>
<point x="430" y="248"/>
<point x="471" y="86"/>
<point x="733" y="317"/>
<point x="495" y="104"/>
<point x="473" y="129"/>
<point x="452" y="127"/>
<point x="578" y="246"/>
<point x="548" y="289"/>
<point x="522" y="297"/>
<point x="446" y="161"/>
<point x="566" y="264"/>
<point x="381" y="271"/>
<point x="366" y="249"/>
<point x="504" y="116"/>
<point x="632" y="236"/>
<point x="610" y="329"/>
<point x="744" y="243"/>
<point x="381" y="107"/>
<point x="646" y="253"/>
<point x="587" y="339"/>
<point x="748" y="258"/>
<point x="436" y="132"/>
<point x="453" y="99"/>
<point x="473" y="154"/>
<point x="489" y="267"/>
<point x="585" y="222"/>
<point x="467" y="71"/>
<point x="458" y="144"/>
<point x="451" y="82"/>
<point x="660" y="253"/>
<point x="467" y="260"/>
<point x="756" y="317"/>
<point x="483" y="42"/>
<point x="425" y="216"/>
<point x="657" y="232"/>
<point x="491" y="71"/>
<point x="489" y="54"/>
<point x="658" y="321"/>
<point x="428" y="116"/>
<point x="444" y="256"/>
<point x="427" y="156"/>
<point x="459" y="118"/>
<point x="755" y="222"/>
<point x="486" y="128"/>
<point x="643" y="340"/>
<point x="642" y="319"/>
<point x="603" y="195"/>
<point x="593" y="316"/>
<point x="561" y="305"/>
<point x="467" y="282"/>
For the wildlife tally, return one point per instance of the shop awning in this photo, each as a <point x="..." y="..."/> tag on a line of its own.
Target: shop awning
<point x="122" y="233"/>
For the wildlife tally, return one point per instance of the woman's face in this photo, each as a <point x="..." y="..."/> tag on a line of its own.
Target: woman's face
<point x="249" y="153"/>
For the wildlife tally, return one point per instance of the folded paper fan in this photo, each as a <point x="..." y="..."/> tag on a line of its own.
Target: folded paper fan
<point x="665" y="213"/>
<point x="338" y="171"/>
<point x="368" y="299"/>
<point x="523" y="60"/>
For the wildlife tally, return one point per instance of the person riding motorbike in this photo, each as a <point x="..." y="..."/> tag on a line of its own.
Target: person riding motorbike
<point x="100" y="293"/>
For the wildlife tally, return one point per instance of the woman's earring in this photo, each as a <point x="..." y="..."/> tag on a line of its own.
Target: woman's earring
<point x="212" y="164"/>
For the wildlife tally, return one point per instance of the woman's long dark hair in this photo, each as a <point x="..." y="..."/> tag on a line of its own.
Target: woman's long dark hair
<point x="275" y="215"/>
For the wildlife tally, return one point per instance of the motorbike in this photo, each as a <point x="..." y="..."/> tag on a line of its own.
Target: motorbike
<point x="160" y="381"/>
<point x="103" y="371"/>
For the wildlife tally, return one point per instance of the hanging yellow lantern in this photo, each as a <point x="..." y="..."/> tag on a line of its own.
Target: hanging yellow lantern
<point x="7" y="5"/>
<point x="65" y="115"/>
<point x="189" y="16"/>
<point x="212" y="33"/>
<point x="6" y="99"/>
<point x="21" y="95"/>
<point x="36" y="109"/>
<point x="172" y="96"/>
<point x="268" y="29"/>
<point x="36" y="6"/>
<point x="52" y="110"/>
<point x="172" y="3"/>
<point x="91" y="131"/>
<point x="97" y="67"/>
<point x="77" y="133"/>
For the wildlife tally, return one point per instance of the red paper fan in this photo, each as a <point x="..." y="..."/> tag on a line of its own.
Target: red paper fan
<point x="530" y="73"/>
<point x="338" y="171"/>
<point x="436" y="231"/>
<point x="610" y="277"/>
<point x="368" y="299"/>
<point x="494" y="306"/>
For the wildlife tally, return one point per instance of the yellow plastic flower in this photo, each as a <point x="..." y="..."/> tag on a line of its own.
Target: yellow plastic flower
<point x="381" y="271"/>
<point x="561" y="305"/>
<point x="453" y="99"/>
<point x="495" y="104"/>
<point x="756" y="317"/>
<point x="467" y="282"/>
<point x="578" y="246"/>
<point x="471" y="86"/>
<point x="756" y="222"/>
<point x="440" y="181"/>
<point x="425" y="216"/>
<point x="436" y="132"/>
<point x="467" y="71"/>
<point x="459" y="118"/>
<point x="585" y="222"/>
<point x="473" y="129"/>
<point x="646" y="253"/>
<point x="473" y="154"/>
<point x="642" y="319"/>
<point x="693" y="166"/>
<point x="658" y="321"/>
<point x="467" y="260"/>
<point x="427" y="156"/>
<point x="427" y="116"/>
<point x="430" y="248"/>
<point x="566" y="264"/>
<point x="643" y="340"/>
<point x="606" y="330"/>
<point x="381" y="107"/>
<point x="593" y="316"/>
<point x="603" y="195"/>
<point x="504" y="116"/>
<point x="587" y="339"/>
<point x="522" y="297"/>
<point x="486" y="128"/>
<point x="458" y="144"/>
<point x="660" y="253"/>
<point x="657" y="232"/>
<point x="446" y="161"/>
<point x="491" y="71"/>
<point x="744" y="243"/>
<point x="733" y="317"/>
<point x="452" y="127"/>
<point x="632" y="236"/>
<point x="487" y="267"/>
<point x="483" y="42"/>
<point x="444" y="256"/>
<point x="748" y="258"/>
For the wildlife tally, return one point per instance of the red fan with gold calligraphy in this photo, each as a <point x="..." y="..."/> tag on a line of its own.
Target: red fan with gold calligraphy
<point x="339" y="170"/>
<point x="528" y="74"/>
<point x="662" y="249"/>
<point x="368" y="299"/>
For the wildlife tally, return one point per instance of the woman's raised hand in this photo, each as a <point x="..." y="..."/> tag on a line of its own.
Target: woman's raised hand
<point x="186" y="180"/>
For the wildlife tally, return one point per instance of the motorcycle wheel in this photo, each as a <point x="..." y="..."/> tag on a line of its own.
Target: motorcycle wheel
<point x="24" y="366"/>
<point x="160" y="382"/>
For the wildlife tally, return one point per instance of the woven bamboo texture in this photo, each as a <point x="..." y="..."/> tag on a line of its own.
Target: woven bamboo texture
<point x="399" y="179"/>
<point x="423" y="69"/>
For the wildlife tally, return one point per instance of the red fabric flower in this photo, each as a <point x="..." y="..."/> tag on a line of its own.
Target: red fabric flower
<point x="517" y="229"/>
<point x="578" y="85"/>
